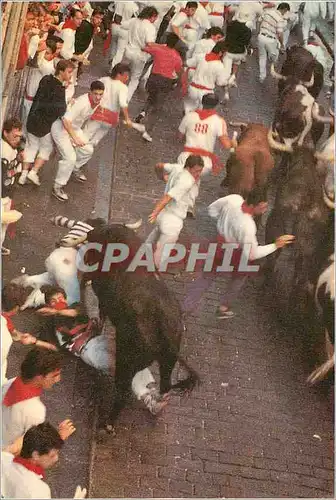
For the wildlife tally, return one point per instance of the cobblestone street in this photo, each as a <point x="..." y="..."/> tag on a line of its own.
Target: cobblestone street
<point x="253" y="428"/>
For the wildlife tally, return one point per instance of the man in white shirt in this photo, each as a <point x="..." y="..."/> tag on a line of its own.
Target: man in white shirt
<point x="312" y="11"/>
<point x="235" y="224"/>
<point x="119" y="30"/>
<point x="141" y="32"/>
<point x="201" y="48"/>
<point x="74" y="147"/>
<point x="181" y="191"/>
<point x="209" y="73"/>
<point x="21" y="404"/>
<point x="271" y="37"/>
<point x="201" y="128"/>
<point x="187" y="27"/>
<point x="248" y="12"/>
<point x="23" y="476"/>
<point x="115" y="99"/>
<point x="68" y="35"/>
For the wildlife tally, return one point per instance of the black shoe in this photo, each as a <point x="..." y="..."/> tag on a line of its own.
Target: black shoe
<point x="140" y="117"/>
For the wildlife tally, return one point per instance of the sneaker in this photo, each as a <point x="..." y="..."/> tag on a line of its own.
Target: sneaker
<point x="225" y="314"/>
<point x="147" y="137"/>
<point x="79" y="176"/>
<point x="226" y="96"/>
<point x="154" y="402"/>
<point x="59" y="193"/>
<point x="23" y="177"/>
<point x="140" y="128"/>
<point x="232" y="81"/>
<point x="191" y="213"/>
<point x="262" y="80"/>
<point x="34" y="178"/>
<point x="5" y="251"/>
<point x="140" y="117"/>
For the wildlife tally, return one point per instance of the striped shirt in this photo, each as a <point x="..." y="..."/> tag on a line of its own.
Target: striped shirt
<point x="272" y="24"/>
<point x="77" y="234"/>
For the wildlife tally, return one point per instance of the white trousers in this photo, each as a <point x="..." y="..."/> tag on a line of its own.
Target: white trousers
<point x="308" y="25"/>
<point x="70" y="154"/>
<point x="118" y="44"/>
<point x="194" y="99"/>
<point x="61" y="270"/>
<point x="268" y="49"/>
<point x="95" y="131"/>
<point x="5" y="207"/>
<point x="137" y="61"/>
<point x="216" y="21"/>
<point x="167" y="230"/>
<point x="38" y="147"/>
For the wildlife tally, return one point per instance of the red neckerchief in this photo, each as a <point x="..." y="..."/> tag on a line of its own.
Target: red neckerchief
<point x="23" y="52"/>
<point x="30" y="466"/>
<point x="205" y="113"/>
<point x="93" y="105"/>
<point x="212" y="57"/>
<point x="247" y="209"/>
<point x="7" y="317"/>
<point x="19" y="391"/>
<point x="69" y="24"/>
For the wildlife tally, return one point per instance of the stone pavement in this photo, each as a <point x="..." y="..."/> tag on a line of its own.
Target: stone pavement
<point x="253" y="428"/>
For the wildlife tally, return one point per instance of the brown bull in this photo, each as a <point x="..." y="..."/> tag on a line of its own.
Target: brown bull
<point x="250" y="164"/>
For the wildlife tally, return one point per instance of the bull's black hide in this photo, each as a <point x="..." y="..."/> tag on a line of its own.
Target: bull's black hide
<point x="299" y="209"/>
<point x="146" y="315"/>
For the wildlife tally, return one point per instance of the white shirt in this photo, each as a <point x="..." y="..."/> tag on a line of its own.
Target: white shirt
<point x="182" y="187"/>
<point x="202" y="133"/>
<point x="7" y="151"/>
<point x="115" y="95"/>
<point x="19" y="482"/>
<point x="68" y="49"/>
<point x="181" y="20"/>
<point x="80" y="111"/>
<point x="44" y="68"/>
<point x="212" y="73"/>
<point x="126" y="10"/>
<point x="6" y="342"/>
<point x="20" y="417"/>
<point x="141" y="32"/>
<point x="318" y="53"/>
<point x="201" y="48"/>
<point x="235" y="226"/>
<point x="33" y="46"/>
<point x="248" y="11"/>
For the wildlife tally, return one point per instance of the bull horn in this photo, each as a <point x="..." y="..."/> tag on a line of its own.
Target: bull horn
<point x="319" y="118"/>
<point x="331" y="112"/>
<point x="324" y="157"/>
<point x="275" y="74"/>
<point x="330" y="204"/>
<point x="310" y="83"/>
<point x="321" y="372"/>
<point x="277" y="145"/>
<point x="238" y="124"/>
<point x="134" y="225"/>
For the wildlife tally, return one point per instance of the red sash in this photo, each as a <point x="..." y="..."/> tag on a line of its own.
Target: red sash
<point x="107" y="42"/>
<point x="216" y="163"/>
<point x="10" y="325"/>
<point x="69" y="24"/>
<point x="219" y="14"/>
<point x="29" y="97"/>
<point x="106" y="116"/>
<point x="212" y="57"/>
<point x="18" y="391"/>
<point x="25" y="462"/>
<point x="200" y="87"/>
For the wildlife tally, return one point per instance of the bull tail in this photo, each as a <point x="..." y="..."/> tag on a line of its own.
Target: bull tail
<point x="321" y="372"/>
<point x="189" y="383"/>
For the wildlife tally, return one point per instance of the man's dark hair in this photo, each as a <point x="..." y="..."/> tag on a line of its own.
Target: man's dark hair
<point x="11" y="124"/>
<point x="73" y="12"/>
<point x="148" y="12"/>
<point x="41" y="438"/>
<point x="283" y="6"/>
<point x="120" y="69"/>
<point x="40" y="361"/>
<point x="97" y="12"/>
<point x="13" y="296"/>
<point x="55" y="38"/>
<point x="51" y="290"/>
<point x="51" y="44"/>
<point x="209" y="101"/>
<point x="172" y="40"/>
<point x="213" y="32"/>
<point x="219" y="47"/>
<point x="194" y="160"/>
<point x="191" y="5"/>
<point x="63" y="65"/>
<point x="97" y="85"/>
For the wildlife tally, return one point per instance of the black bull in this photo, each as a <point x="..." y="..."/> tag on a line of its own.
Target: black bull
<point x="146" y="315"/>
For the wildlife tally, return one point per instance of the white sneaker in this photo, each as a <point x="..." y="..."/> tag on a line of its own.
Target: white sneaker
<point x="139" y="127"/>
<point x="79" y="176"/>
<point x="23" y="177"/>
<point x="232" y="81"/>
<point x="34" y="178"/>
<point x="226" y="96"/>
<point x="59" y="193"/>
<point x="147" y="137"/>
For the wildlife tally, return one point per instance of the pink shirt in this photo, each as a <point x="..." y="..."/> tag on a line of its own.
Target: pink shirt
<point x="167" y="61"/>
